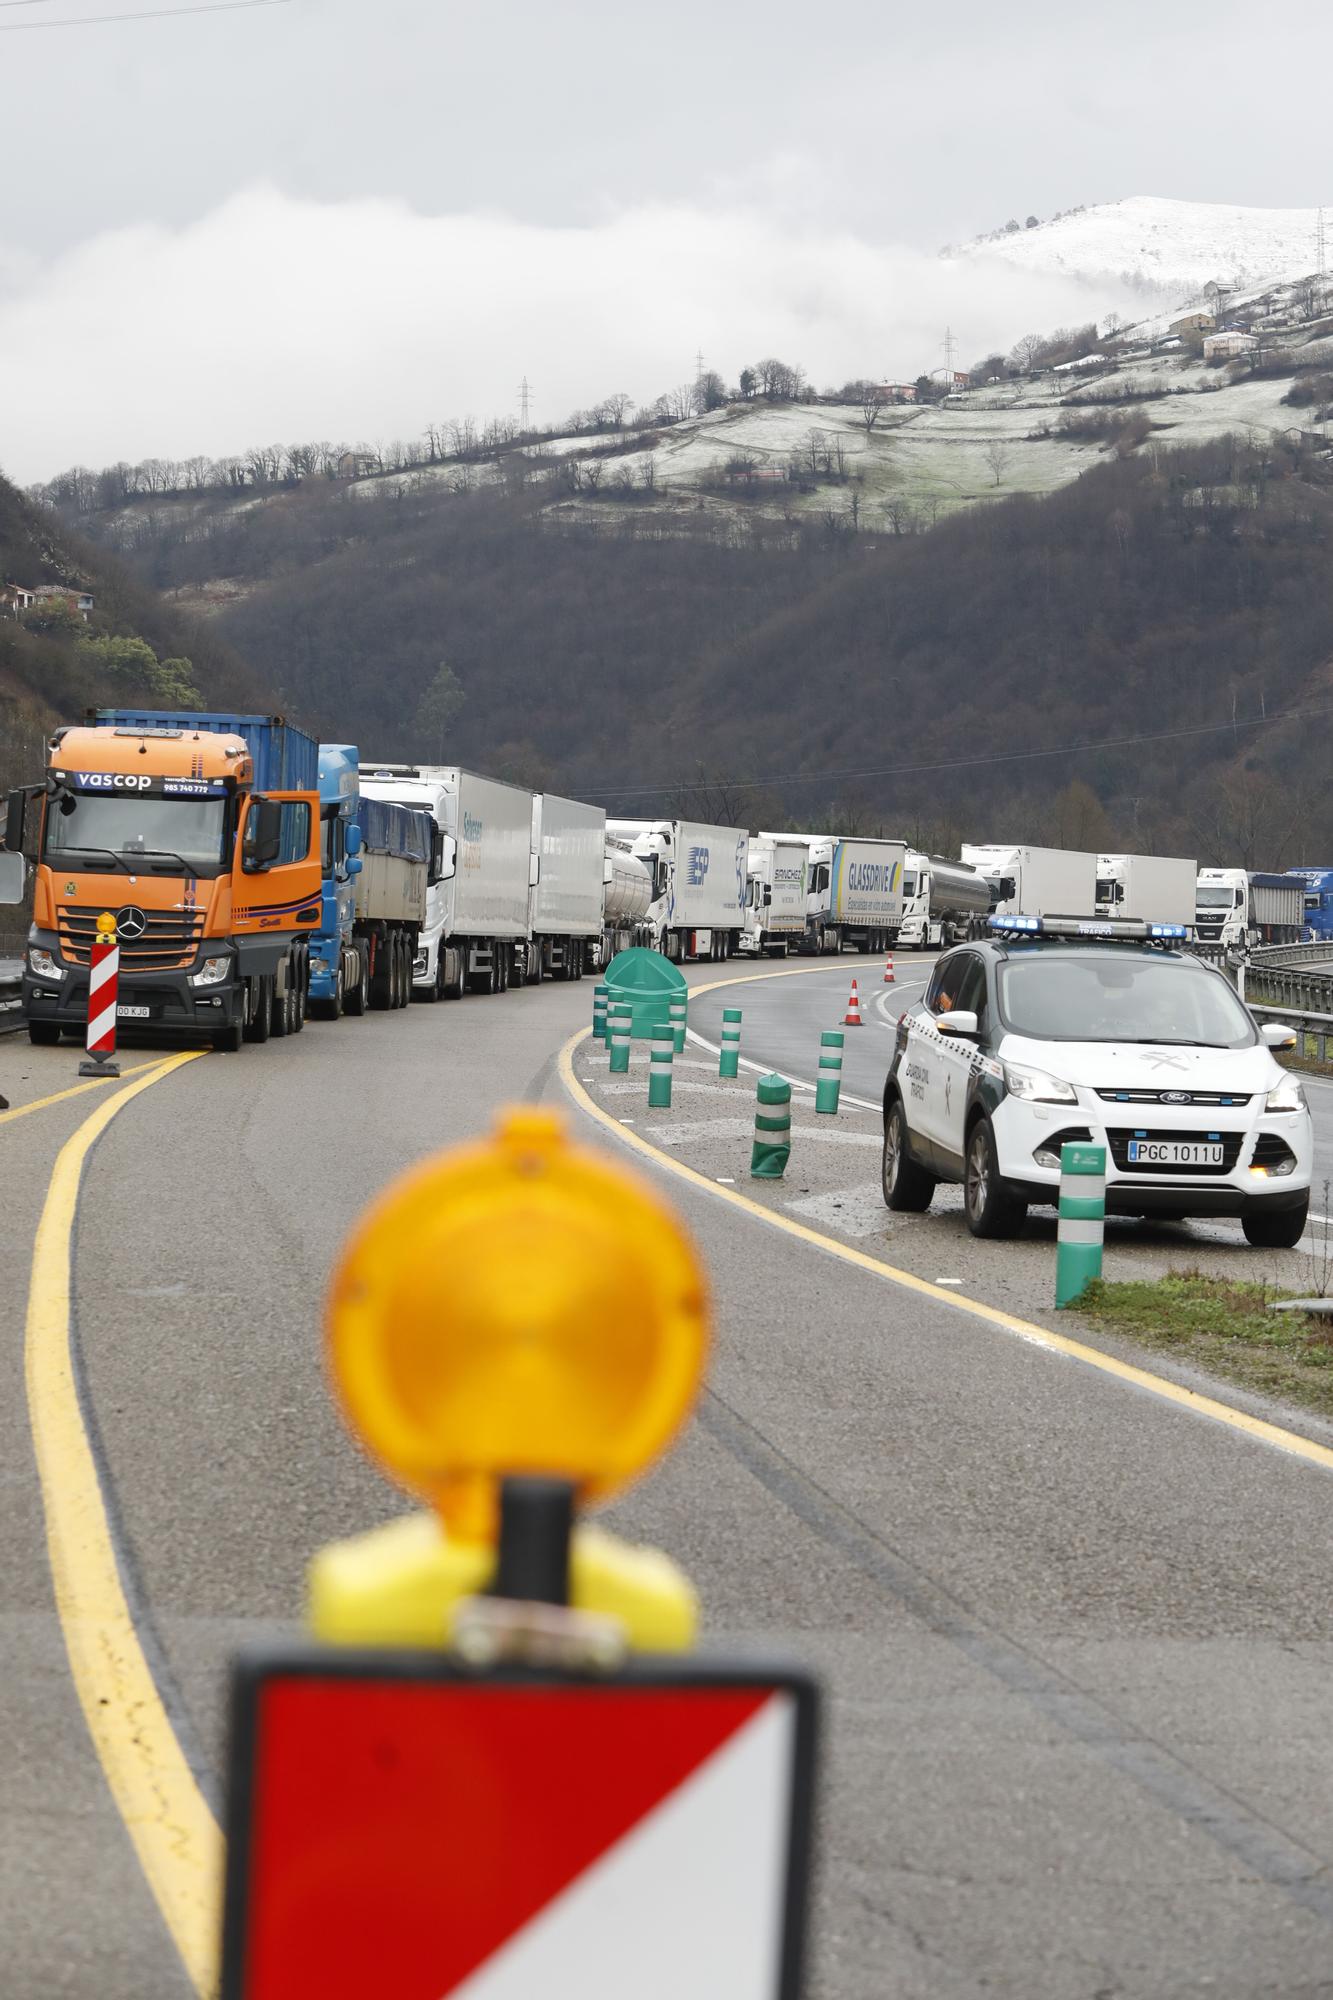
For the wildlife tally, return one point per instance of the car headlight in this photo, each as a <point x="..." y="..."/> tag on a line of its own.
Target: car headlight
<point x="42" y="963"/>
<point x="1289" y="1095"/>
<point x="211" y="973"/>
<point x="1036" y="1087"/>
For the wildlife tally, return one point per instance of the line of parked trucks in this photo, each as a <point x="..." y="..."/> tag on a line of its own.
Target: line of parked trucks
<point x="257" y="875"/>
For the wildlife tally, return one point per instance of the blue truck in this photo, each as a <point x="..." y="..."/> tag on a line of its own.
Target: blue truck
<point x="1318" y="886"/>
<point x="376" y="861"/>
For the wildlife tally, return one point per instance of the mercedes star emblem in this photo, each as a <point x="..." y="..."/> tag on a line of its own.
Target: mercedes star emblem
<point x="131" y="922"/>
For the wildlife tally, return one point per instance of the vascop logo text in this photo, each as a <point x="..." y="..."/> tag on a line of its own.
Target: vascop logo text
<point x="112" y="781"/>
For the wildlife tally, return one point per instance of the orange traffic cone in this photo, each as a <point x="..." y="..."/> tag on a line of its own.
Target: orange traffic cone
<point x="852" y="1018"/>
<point x="888" y="971"/>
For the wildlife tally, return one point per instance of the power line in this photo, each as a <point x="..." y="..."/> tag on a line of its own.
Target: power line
<point x="956" y="763"/>
<point x="149" y="14"/>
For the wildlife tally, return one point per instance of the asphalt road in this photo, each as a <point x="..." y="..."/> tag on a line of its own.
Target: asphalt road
<point x="1077" y="1641"/>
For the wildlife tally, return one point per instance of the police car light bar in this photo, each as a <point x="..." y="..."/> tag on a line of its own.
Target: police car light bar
<point x="1098" y="927"/>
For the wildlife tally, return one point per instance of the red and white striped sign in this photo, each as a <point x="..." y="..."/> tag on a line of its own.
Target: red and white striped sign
<point x="102" y="989"/>
<point x="642" y="1838"/>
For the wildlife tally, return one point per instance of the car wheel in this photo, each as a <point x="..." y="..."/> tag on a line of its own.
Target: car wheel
<point x="1276" y="1230"/>
<point x="43" y="1034"/>
<point x="908" y="1188"/>
<point x="992" y="1205"/>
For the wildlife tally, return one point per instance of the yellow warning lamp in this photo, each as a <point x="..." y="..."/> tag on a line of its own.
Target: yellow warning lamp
<point x="106" y="923"/>
<point x="517" y="1306"/>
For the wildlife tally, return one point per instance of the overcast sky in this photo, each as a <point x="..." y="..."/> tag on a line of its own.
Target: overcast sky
<point x="346" y="217"/>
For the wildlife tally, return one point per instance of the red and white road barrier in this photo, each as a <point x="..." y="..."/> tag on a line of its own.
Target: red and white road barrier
<point x="103" y="986"/>
<point x="888" y="971"/>
<point x="852" y="1018"/>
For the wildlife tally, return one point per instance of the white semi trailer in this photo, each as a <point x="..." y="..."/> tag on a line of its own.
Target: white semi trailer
<point x="854" y="891"/>
<point x="699" y="875"/>
<point x="1157" y="888"/>
<point x="478" y="911"/>
<point x="568" y="888"/>
<point x="774" y="897"/>
<point x="1037" y="881"/>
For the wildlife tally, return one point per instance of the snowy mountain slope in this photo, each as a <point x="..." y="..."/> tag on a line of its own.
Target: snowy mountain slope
<point x="1172" y="246"/>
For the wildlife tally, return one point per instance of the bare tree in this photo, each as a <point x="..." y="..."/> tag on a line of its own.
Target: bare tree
<point x="871" y="407"/>
<point x="1025" y="351"/>
<point x="997" y="456"/>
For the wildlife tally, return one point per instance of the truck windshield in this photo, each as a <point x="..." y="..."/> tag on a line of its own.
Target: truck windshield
<point x="143" y="832"/>
<point x="1217" y="898"/>
<point x="1087" y="996"/>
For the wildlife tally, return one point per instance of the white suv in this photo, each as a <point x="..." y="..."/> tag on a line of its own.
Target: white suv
<point x="1068" y="1031"/>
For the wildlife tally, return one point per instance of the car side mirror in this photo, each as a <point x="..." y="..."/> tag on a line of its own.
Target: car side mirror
<point x="959" y="1022"/>
<point x="1276" y="1035"/>
<point x="263" y="835"/>
<point x="13" y="877"/>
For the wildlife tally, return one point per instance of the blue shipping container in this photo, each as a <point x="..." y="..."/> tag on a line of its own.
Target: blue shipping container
<point x="285" y="758"/>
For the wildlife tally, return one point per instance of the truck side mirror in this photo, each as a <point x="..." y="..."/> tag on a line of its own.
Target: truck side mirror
<point x="354" y="865"/>
<point x="354" y="839"/>
<point x="263" y="834"/>
<point x="13" y="877"/>
<point x="445" y="860"/>
<point x="15" y="812"/>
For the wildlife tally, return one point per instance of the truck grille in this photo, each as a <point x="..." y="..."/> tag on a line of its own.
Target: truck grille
<point x="171" y="939"/>
<point x="1229" y="1098"/>
<point x="1120" y="1136"/>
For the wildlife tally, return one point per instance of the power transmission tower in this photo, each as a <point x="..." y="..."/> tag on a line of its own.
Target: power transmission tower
<point x="948" y="344"/>
<point x="524" y="401"/>
<point x="699" y="366"/>
<point x="1320" y="256"/>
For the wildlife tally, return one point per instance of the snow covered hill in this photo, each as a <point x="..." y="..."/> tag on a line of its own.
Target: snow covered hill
<point x="1165" y="247"/>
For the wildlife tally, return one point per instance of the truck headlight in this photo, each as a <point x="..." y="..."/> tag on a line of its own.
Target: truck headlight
<point x="1036" y="1087"/>
<point x="319" y="965"/>
<point x="42" y="963"/>
<point x="211" y="973"/>
<point x="420" y="964"/>
<point x="1289" y="1095"/>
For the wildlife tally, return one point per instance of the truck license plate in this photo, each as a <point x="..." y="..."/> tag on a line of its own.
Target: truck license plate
<point x="1175" y="1153"/>
<point x="132" y="1013"/>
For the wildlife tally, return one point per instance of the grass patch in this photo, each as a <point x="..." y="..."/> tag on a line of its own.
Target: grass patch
<point x="1305" y="1056"/>
<point x="1224" y="1325"/>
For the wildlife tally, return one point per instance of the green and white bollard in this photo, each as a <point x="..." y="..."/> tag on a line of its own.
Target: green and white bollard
<point x="829" y="1081"/>
<point x="599" y="1005"/>
<point x="678" y="1021"/>
<point x="659" y="1067"/>
<point x="1078" y="1250"/>
<point x="729" y="1056"/>
<point x="772" y="1129"/>
<point x="618" y="1023"/>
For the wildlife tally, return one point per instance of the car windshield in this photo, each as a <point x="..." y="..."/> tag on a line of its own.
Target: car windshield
<point x="1216" y="899"/>
<point x="1116" y="997"/>
<point x="136" y="827"/>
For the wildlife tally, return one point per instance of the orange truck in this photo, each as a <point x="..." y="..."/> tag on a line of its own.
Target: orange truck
<point x="200" y="833"/>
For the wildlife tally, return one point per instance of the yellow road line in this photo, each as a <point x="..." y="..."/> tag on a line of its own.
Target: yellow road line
<point x="1055" y="1343"/>
<point x="75" y="1089"/>
<point x="176" y="1837"/>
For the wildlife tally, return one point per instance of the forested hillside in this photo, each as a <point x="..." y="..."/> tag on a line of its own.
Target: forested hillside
<point x="800" y="669"/>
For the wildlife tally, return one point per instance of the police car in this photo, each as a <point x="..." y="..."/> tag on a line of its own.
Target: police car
<point x="1059" y="1031"/>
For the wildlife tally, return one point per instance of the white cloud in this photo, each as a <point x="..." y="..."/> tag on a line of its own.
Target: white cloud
<point x="274" y="318"/>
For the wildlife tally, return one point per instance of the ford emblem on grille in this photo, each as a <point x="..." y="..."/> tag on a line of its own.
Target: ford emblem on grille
<point x="1177" y="1097"/>
<point x="131" y="923"/>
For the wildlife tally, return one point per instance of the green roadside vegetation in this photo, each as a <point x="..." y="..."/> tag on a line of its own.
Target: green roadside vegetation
<point x="1224" y="1325"/>
<point x="1305" y="1057"/>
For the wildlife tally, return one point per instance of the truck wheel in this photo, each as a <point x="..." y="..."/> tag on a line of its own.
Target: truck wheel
<point x="405" y="958"/>
<point x="300" y="992"/>
<point x="453" y="988"/>
<point x="501" y="981"/>
<point x="280" y="1004"/>
<point x="227" y="1041"/>
<point x="260" y="1008"/>
<point x="357" y="998"/>
<point x="43" y="1034"/>
<point x="381" y="978"/>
